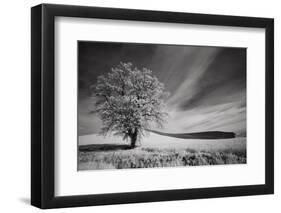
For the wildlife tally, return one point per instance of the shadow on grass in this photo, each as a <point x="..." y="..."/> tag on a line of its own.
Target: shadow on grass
<point x="103" y="147"/>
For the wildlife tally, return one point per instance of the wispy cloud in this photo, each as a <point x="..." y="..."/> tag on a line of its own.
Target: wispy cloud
<point x="221" y="117"/>
<point x="194" y="72"/>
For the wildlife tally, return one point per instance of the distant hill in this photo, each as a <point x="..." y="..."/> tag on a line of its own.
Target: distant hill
<point x="198" y="135"/>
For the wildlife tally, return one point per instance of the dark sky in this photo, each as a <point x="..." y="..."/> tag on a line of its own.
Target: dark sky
<point x="207" y="85"/>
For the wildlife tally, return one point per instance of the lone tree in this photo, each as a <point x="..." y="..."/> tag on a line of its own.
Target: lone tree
<point x="129" y="100"/>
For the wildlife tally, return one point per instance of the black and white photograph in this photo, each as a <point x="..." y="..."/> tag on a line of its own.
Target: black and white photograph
<point x="160" y="105"/>
<point x="142" y="105"/>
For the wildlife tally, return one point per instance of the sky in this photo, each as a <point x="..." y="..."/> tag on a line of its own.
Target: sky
<point x="207" y="85"/>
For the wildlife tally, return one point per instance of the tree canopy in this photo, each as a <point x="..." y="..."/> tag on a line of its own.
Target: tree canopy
<point x="129" y="100"/>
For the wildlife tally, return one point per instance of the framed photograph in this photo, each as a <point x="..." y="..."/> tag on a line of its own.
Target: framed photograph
<point x="139" y="106"/>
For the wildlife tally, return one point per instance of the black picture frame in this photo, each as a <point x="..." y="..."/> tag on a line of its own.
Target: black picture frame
<point x="43" y="102"/>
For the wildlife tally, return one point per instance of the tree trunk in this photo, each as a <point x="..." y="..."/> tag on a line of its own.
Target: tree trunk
<point x="133" y="137"/>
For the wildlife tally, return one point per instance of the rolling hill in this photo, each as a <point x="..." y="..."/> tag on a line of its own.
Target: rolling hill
<point x="198" y="135"/>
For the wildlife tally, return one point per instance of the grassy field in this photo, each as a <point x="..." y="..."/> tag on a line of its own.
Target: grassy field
<point x="96" y="152"/>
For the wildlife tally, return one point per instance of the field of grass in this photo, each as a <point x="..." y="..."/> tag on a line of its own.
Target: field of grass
<point x="159" y="151"/>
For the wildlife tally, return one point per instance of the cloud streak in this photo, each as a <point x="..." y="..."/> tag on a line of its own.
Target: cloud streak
<point x="189" y="87"/>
